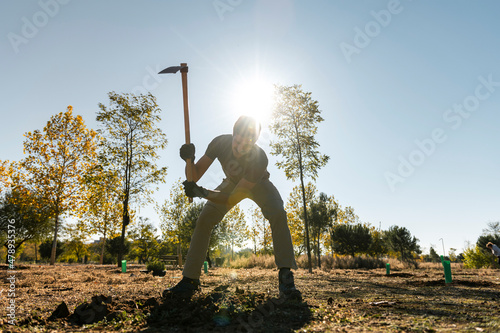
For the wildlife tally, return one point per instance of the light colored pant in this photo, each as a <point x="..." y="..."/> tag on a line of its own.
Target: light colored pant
<point x="267" y="197"/>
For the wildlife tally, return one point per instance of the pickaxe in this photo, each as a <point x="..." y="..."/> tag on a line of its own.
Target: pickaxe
<point x="184" y="70"/>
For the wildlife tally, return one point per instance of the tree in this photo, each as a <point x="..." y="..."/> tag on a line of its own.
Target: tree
<point x="347" y="215"/>
<point x="145" y="243"/>
<point x="260" y="231"/>
<point x="334" y="208"/>
<point x="234" y="229"/>
<point x="57" y="159"/>
<point x="452" y="253"/>
<point x="188" y="223"/>
<point x="433" y="255"/>
<point x="294" y="122"/>
<point x="351" y="238"/>
<point x="114" y="247"/>
<point x="46" y="249"/>
<point x="5" y="173"/>
<point x="75" y="244"/>
<point x="28" y="221"/>
<point x="476" y="257"/>
<point x="493" y="229"/>
<point x="295" y="215"/>
<point x="400" y="240"/>
<point x="321" y="215"/>
<point x="172" y="213"/>
<point x="132" y="139"/>
<point x="101" y="210"/>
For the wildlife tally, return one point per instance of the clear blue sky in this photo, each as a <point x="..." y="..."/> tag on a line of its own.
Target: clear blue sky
<point x="409" y="90"/>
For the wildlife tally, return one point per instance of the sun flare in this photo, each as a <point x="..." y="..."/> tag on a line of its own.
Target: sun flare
<point x="254" y="98"/>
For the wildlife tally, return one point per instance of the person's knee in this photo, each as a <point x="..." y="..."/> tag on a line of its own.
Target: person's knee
<point x="276" y="216"/>
<point x="209" y="217"/>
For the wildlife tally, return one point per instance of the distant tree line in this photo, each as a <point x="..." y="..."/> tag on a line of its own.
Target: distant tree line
<point x="101" y="178"/>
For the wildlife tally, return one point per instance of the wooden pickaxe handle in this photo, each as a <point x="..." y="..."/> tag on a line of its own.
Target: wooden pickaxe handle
<point x="189" y="165"/>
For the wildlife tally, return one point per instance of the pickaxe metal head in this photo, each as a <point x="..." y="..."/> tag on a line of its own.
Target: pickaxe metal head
<point x="174" y="69"/>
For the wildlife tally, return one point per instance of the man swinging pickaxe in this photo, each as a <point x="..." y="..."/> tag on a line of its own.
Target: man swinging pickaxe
<point x="184" y="70"/>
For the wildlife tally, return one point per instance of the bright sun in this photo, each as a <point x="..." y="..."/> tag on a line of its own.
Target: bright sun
<point x="255" y="98"/>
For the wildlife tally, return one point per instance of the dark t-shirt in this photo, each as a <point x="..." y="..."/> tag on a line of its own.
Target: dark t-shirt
<point x="252" y="166"/>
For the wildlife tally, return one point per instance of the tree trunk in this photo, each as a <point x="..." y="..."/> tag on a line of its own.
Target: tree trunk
<point x="122" y="239"/>
<point x="306" y="221"/>
<point x="101" y="260"/>
<point x="54" y="242"/>
<point x="304" y="201"/>
<point x="319" y="253"/>
<point x="126" y="217"/>
<point x="331" y="238"/>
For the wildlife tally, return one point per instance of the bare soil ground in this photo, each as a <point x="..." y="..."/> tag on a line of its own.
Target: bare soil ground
<point x="101" y="298"/>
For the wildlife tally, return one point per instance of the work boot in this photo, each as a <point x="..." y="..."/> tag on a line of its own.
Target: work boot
<point x="185" y="288"/>
<point x="287" y="286"/>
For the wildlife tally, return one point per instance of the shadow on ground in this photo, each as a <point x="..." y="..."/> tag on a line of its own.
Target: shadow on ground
<point x="225" y="311"/>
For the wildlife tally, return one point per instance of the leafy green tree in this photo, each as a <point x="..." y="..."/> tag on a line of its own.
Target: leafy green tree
<point x="132" y="139"/>
<point x="493" y="229"/>
<point x="347" y="215"/>
<point x="260" y="231"/>
<point x="56" y="161"/>
<point x="481" y="245"/>
<point x="113" y="247"/>
<point x="295" y="215"/>
<point x="434" y="256"/>
<point x="75" y="244"/>
<point x="485" y="239"/>
<point x="101" y="210"/>
<point x="186" y="230"/>
<point x="45" y="249"/>
<point x="399" y="240"/>
<point x="172" y="213"/>
<point x="476" y="257"/>
<point x="334" y="208"/>
<point x="377" y="246"/>
<point x="351" y="238"/>
<point x="145" y="244"/>
<point x="233" y="230"/>
<point x="189" y="222"/>
<point x="321" y="216"/>
<point x="28" y="221"/>
<point x="294" y="122"/>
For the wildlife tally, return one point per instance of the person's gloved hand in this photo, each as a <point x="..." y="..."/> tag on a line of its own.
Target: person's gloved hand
<point x="187" y="151"/>
<point x="193" y="190"/>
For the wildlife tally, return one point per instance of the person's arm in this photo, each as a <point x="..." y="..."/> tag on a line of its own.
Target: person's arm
<point x="240" y="192"/>
<point x="199" y="168"/>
